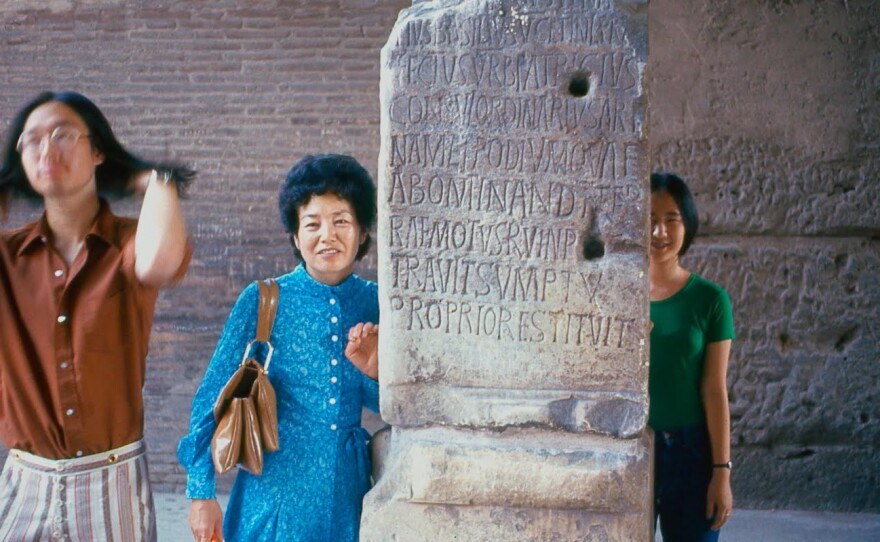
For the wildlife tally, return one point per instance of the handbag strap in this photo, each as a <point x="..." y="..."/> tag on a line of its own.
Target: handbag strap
<point x="268" y="308"/>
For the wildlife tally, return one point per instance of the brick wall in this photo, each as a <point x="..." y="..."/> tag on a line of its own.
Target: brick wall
<point x="239" y="89"/>
<point x="770" y="110"/>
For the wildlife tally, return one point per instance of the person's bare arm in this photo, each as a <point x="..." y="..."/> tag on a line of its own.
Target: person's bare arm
<point x="719" y="502"/>
<point x="160" y="241"/>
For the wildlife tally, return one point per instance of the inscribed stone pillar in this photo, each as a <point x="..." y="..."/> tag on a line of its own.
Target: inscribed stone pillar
<point x="512" y="255"/>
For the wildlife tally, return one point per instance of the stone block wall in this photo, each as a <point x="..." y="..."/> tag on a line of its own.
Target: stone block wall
<point x="771" y="113"/>
<point x="769" y="108"/>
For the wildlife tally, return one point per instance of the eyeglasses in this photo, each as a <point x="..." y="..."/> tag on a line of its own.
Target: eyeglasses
<point x="63" y="137"/>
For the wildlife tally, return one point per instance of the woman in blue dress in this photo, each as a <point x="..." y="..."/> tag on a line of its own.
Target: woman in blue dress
<point x="324" y="370"/>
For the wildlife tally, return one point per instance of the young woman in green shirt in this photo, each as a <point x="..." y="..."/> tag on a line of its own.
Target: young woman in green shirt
<point x="692" y="328"/>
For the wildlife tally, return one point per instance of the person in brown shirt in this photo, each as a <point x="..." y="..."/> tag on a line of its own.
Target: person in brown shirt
<point x="78" y="289"/>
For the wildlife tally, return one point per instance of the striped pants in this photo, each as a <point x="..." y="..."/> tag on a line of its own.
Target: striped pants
<point x="98" y="498"/>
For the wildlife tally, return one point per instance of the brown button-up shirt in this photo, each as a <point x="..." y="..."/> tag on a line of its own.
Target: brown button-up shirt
<point x="73" y="340"/>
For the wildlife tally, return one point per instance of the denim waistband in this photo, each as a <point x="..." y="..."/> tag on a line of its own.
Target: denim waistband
<point x="690" y="434"/>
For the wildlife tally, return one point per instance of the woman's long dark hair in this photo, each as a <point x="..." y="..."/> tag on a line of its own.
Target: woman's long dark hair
<point x="112" y="176"/>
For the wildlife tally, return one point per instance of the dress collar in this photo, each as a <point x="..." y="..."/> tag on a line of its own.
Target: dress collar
<point x="302" y="276"/>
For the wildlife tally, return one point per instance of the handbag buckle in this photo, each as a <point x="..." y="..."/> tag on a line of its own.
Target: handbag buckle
<point x="247" y="353"/>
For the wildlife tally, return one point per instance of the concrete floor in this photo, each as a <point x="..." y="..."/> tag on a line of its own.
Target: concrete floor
<point x="744" y="526"/>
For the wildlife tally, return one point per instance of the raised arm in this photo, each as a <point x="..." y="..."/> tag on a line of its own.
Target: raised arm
<point x="160" y="242"/>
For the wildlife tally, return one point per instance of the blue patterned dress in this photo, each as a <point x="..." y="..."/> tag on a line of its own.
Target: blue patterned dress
<point x="312" y="488"/>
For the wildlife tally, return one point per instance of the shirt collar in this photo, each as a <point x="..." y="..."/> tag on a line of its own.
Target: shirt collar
<point x="102" y="229"/>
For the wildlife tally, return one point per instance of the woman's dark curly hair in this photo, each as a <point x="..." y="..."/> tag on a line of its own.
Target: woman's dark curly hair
<point x="338" y="174"/>
<point x="112" y="175"/>
<point x="687" y="206"/>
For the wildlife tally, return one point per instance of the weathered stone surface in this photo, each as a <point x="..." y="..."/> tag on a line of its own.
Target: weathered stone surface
<point x="513" y="229"/>
<point x="808" y="326"/>
<point x="764" y="188"/>
<point x="516" y="467"/>
<point x="803" y="373"/>
<point x="808" y="476"/>
<point x="618" y="414"/>
<point x="431" y="523"/>
<point x="556" y="485"/>
<point x="512" y="191"/>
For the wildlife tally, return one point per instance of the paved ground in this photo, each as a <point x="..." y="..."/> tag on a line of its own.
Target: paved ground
<point x="744" y="526"/>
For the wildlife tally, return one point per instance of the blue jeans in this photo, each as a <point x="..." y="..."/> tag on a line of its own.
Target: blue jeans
<point x="682" y="471"/>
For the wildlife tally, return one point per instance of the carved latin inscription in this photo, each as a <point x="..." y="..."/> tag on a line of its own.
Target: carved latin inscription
<point x="514" y="136"/>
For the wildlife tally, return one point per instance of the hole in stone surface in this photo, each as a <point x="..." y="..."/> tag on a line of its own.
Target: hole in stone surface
<point x="784" y="341"/>
<point x="594" y="247"/>
<point x="579" y="85"/>
<point x="863" y="418"/>
<point x="845" y="338"/>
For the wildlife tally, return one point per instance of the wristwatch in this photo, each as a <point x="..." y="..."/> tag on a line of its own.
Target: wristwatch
<point x="728" y="465"/>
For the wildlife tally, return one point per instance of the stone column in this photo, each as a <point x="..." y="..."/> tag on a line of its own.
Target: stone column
<point x="513" y="235"/>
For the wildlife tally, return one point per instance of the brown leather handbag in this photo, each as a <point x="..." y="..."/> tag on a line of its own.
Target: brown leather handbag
<point x="247" y="422"/>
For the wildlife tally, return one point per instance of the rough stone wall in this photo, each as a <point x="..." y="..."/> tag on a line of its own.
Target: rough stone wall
<point x="770" y="110"/>
<point x="768" y="107"/>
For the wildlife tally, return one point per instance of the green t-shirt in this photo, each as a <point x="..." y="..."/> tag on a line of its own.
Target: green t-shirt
<point x="684" y="324"/>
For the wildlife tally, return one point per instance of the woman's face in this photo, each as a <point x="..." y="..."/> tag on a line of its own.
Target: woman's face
<point x="667" y="228"/>
<point x="328" y="237"/>
<point x="56" y="152"/>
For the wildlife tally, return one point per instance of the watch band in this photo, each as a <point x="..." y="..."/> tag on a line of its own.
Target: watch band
<point x="728" y="465"/>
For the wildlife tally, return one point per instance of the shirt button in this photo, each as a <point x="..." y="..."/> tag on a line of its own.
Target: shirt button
<point x="64" y="365"/>
<point x="334" y="338"/>
<point x="61" y="319"/>
<point x="333" y="380"/>
<point x="69" y="412"/>
<point x="334" y="319"/>
<point x="333" y="427"/>
<point x="59" y="273"/>
<point x="332" y="401"/>
<point x="333" y="361"/>
<point x="332" y="301"/>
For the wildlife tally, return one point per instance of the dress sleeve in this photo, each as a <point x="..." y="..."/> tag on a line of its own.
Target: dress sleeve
<point x="194" y="450"/>
<point x="370" y="393"/>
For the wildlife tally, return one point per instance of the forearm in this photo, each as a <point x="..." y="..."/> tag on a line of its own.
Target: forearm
<point x="160" y="242"/>
<point x="717" y="411"/>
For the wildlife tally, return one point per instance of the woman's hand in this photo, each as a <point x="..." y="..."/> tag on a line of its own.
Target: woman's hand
<point x="719" y="500"/>
<point x="206" y="520"/>
<point x="363" y="348"/>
